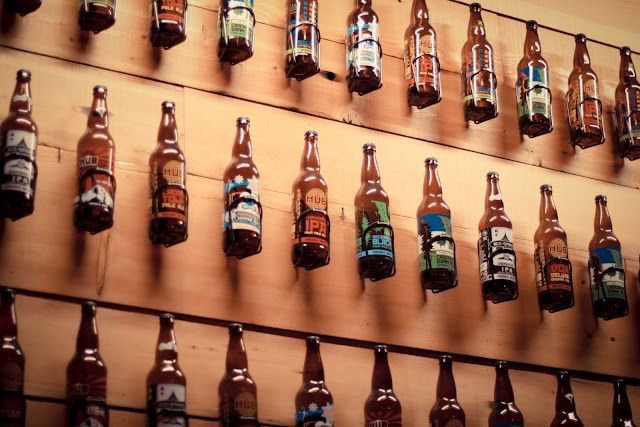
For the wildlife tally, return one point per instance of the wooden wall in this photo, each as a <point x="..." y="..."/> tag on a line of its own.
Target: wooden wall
<point x="54" y="268"/>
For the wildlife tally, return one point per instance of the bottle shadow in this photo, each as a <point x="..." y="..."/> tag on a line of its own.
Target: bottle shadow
<point x="78" y="250"/>
<point x="156" y="260"/>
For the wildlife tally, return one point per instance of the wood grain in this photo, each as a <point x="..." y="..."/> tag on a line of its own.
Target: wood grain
<point x="275" y="364"/>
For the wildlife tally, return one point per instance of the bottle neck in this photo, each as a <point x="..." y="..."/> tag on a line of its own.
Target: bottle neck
<point x="432" y="187"/>
<point x="476" y="25"/>
<point x="493" y="199"/>
<point x="363" y="3"/>
<point x="242" y="144"/>
<point x="88" y="333"/>
<point x="419" y="12"/>
<point x="167" y="348"/>
<point x="503" y="391"/>
<point x="548" y="210"/>
<point x="564" y="396"/>
<point x="381" y="379"/>
<point x="168" y="130"/>
<point x="602" y="221"/>
<point x="532" y="45"/>
<point x="21" y="99"/>
<point x="581" y="54"/>
<point x="446" y="383"/>
<point x="236" y="353"/>
<point x="313" y="369"/>
<point x="627" y="69"/>
<point x="370" y="172"/>
<point x="8" y="321"/>
<point x="99" y="115"/>
<point x="311" y="156"/>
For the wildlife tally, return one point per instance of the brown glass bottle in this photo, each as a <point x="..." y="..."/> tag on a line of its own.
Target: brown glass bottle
<point x="421" y="64"/>
<point x="95" y="202"/>
<point x="96" y="15"/>
<point x="237" y="392"/>
<point x="628" y="107"/>
<point x="23" y="7"/>
<point x="479" y="82"/>
<point x="166" y="383"/>
<point x="606" y="271"/>
<point x="302" y="54"/>
<point x="314" y="403"/>
<point x="311" y="225"/>
<point x="382" y="407"/>
<point x="566" y="414"/>
<point x="505" y="413"/>
<point x="87" y="376"/>
<point x="12" y="401"/>
<point x="236" y="30"/>
<point x="584" y="108"/>
<point x="169" y="199"/>
<point x="446" y="411"/>
<point x="18" y="169"/>
<point x="533" y="96"/>
<point x="554" y="281"/>
<point x="364" y="52"/>
<point x="498" y="274"/>
<point x="437" y="255"/>
<point x="242" y="220"/>
<point x="374" y="234"/>
<point x="168" y="23"/>
<point x="622" y="416"/>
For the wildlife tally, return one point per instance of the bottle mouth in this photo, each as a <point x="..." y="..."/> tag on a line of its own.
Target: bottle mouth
<point x="625" y="50"/>
<point x="313" y="340"/>
<point x="242" y="121"/>
<point x="369" y="147"/>
<point x="310" y="133"/>
<point x="8" y="294"/>
<point x="23" y="75"/>
<point x="546" y="187"/>
<point x="493" y="174"/>
<point x="601" y="198"/>
<point x="168" y="105"/>
<point x="381" y="349"/>
<point x="502" y="364"/>
<point x="431" y="161"/>
<point x="532" y="24"/>
<point x="89" y="307"/>
<point x="476" y="7"/>
<point x="580" y="37"/>
<point x="99" y="90"/>
<point x="166" y="317"/>
<point x="445" y="359"/>
<point x="235" y="328"/>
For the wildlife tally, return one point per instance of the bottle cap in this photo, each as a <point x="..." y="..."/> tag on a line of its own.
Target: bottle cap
<point x="99" y="90"/>
<point x="601" y="198"/>
<point x="8" y="293"/>
<point x="532" y="24"/>
<point x="369" y="147"/>
<point x="310" y="133"/>
<point x="89" y="307"/>
<point x="445" y="359"/>
<point x="502" y="364"/>
<point x="580" y="37"/>
<point x="381" y="349"/>
<point x="546" y="187"/>
<point x="625" y="50"/>
<point x="431" y="161"/>
<point x="235" y="328"/>
<point x="493" y="174"/>
<point x="312" y="340"/>
<point x="168" y="104"/>
<point x="242" y="121"/>
<point x="475" y="6"/>
<point x="23" y="74"/>
<point x="166" y="316"/>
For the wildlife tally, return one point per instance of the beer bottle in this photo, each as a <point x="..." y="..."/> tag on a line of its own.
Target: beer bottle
<point x="374" y="234"/>
<point x="302" y="54"/>
<point x="168" y="22"/>
<point x="565" y="404"/>
<point x="18" y="170"/>
<point x="495" y="247"/>
<point x="96" y="15"/>
<point x="22" y="7"/>
<point x="382" y="407"/>
<point x="236" y="30"/>
<point x="505" y="413"/>
<point x="479" y="82"/>
<point x="437" y="255"/>
<point x="622" y="416"/>
<point x="169" y="198"/>
<point x="584" y="108"/>
<point x="237" y="393"/>
<point x="446" y="411"/>
<point x="606" y="272"/>
<point x="87" y="376"/>
<point x="421" y="64"/>
<point x="314" y="403"/>
<point x="533" y="95"/>
<point x="166" y="384"/>
<point x="364" y="52"/>
<point x="628" y="107"/>
<point x="94" y="204"/>
<point x="311" y="223"/>
<point x="554" y="281"/>
<point x="12" y="402"/>
<point x="242" y="209"/>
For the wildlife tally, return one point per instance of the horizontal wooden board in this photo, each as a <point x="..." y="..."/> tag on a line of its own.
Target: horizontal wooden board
<point x="194" y="64"/>
<point x="275" y="363"/>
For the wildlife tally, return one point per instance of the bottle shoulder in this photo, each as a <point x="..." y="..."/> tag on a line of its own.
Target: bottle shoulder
<point x="19" y="121"/>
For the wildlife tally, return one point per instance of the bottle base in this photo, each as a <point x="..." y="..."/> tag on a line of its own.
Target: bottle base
<point x="499" y="291"/>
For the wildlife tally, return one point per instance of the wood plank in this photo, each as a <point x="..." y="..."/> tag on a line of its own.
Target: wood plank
<point x="275" y="364"/>
<point x="125" y="48"/>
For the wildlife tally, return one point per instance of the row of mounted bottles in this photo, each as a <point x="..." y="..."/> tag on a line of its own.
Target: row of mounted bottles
<point x="237" y="391"/>
<point x="236" y="32"/>
<point x="242" y="216"/>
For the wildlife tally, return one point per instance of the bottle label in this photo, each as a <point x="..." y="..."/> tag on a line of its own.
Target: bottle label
<point x="629" y="129"/>
<point x="379" y="241"/>
<point x="167" y="405"/>
<point x="171" y="10"/>
<point x="168" y="201"/>
<point x="109" y="3"/>
<point x="237" y="22"/>
<point x="553" y="268"/>
<point x="497" y="257"/>
<point x="243" y="407"/>
<point x="363" y="49"/>
<point x="481" y="59"/>
<point x="316" y="416"/>
<point x="303" y="23"/>
<point x="423" y="72"/>
<point x="97" y="188"/>
<point x="87" y="401"/>
<point x="582" y="104"/>
<point x="246" y="214"/>
<point x="538" y="100"/>
<point x="11" y="393"/>
<point x="441" y="254"/>
<point x="314" y="228"/>
<point x="384" y="419"/>
<point x="18" y="171"/>
<point x="606" y="284"/>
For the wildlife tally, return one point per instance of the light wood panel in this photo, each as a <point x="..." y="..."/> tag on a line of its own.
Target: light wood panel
<point x="126" y="48"/>
<point x="275" y="363"/>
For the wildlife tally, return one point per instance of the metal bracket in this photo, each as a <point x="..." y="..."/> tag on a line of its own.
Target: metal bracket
<point x="474" y="97"/>
<point x="233" y="205"/>
<point x="365" y="245"/>
<point x="298" y="229"/>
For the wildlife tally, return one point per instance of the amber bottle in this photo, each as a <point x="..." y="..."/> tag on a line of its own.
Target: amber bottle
<point x="18" y="144"/>
<point x="584" y="108"/>
<point x="96" y="15"/>
<point x="364" y="52"/>
<point x="311" y="225"/>
<point x="435" y="240"/>
<point x="302" y="50"/>
<point x="498" y="274"/>
<point x="12" y="401"/>
<point x="168" y="23"/>
<point x="533" y="95"/>
<point x="622" y="416"/>
<point x="421" y="64"/>
<point x="236" y="30"/>
<point x="566" y="414"/>
<point x="505" y="412"/>
<point x="314" y="403"/>
<point x="382" y="407"/>
<point x="446" y="411"/>
<point x="606" y="270"/>
<point x="479" y="83"/>
<point x="628" y="108"/>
